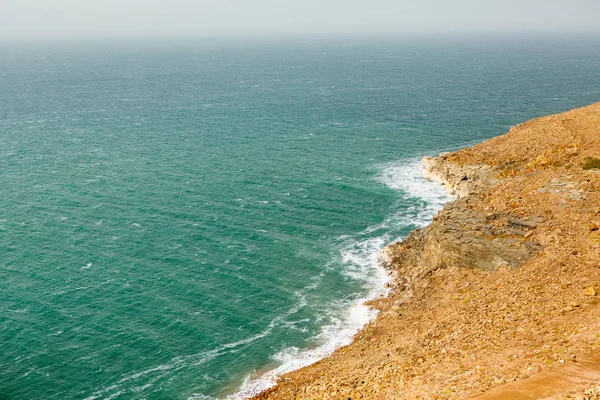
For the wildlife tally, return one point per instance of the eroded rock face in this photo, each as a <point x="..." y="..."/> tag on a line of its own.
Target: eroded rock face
<point x="463" y="238"/>
<point x="459" y="236"/>
<point x="459" y="180"/>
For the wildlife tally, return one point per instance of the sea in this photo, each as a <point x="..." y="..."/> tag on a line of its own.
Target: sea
<point x="191" y="218"/>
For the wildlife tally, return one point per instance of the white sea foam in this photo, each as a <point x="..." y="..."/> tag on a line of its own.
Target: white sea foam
<point x="339" y="333"/>
<point x="408" y="178"/>
<point x="359" y="255"/>
<point x="359" y="258"/>
<point x="360" y="263"/>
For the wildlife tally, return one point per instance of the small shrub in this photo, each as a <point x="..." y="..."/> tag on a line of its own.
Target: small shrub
<point x="591" y="162"/>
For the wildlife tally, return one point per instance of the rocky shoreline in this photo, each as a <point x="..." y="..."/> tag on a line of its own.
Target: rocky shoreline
<point x="498" y="290"/>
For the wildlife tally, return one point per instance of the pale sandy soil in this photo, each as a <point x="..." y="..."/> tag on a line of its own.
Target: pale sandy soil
<point x="459" y="331"/>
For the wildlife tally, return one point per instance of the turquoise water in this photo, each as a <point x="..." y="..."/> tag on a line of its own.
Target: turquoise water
<point x="178" y="217"/>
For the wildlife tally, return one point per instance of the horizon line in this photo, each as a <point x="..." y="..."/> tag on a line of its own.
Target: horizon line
<point x="304" y="35"/>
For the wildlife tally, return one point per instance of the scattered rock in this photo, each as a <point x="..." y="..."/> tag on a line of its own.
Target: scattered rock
<point x="522" y="223"/>
<point x="591" y="291"/>
<point x="593" y="226"/>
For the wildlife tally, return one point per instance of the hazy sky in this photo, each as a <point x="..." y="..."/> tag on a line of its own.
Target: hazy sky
<point x="251" y="17"/>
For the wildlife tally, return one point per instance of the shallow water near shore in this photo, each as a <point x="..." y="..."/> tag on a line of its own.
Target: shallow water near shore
<point x="177" y="216"/>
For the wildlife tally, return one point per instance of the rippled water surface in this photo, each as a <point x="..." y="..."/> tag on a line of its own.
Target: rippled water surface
<point x="177" y="218"/>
